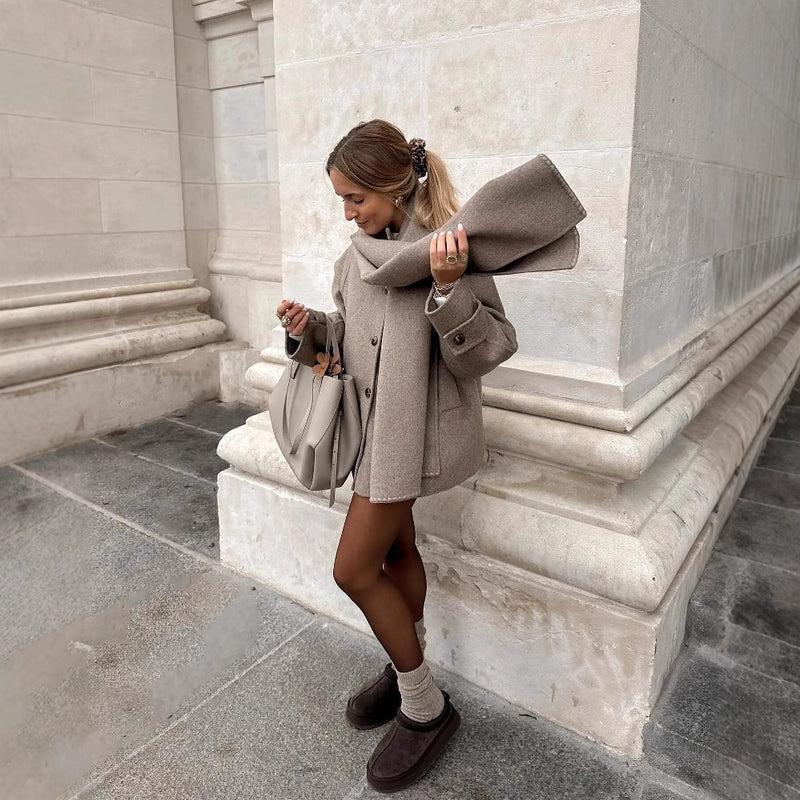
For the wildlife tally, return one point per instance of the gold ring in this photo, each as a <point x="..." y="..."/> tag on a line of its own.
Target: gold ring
<point x="451" y="259"/>
<point x="286" y="321"/>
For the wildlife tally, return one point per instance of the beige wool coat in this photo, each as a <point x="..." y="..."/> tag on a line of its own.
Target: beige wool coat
<point x="417" y="366"/>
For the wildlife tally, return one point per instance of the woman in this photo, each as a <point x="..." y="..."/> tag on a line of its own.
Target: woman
<point x="416" y="353"/>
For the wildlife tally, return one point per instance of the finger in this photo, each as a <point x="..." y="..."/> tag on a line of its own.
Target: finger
<point x="463" y="246"/>
<point x="441" y="248"/>
<point x="299" y="324"/>
<point x="434" y="258"/>
<point x="451" y="244"/>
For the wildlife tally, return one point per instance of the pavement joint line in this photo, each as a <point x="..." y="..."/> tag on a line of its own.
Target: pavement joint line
<point x="792" y="572"/>
<point x="356" y="791"/>
<point x="127" y="522"/>
<point x="781" y="439"/>
<point x="772" y="469"/>
<point x="741" y="499"/>
<point x="726" y="757"/>
<point x="153" y="461"/>
<point x="260" y="660"/>
<point x="771" y="505"/>
<point x="194" y="427"/>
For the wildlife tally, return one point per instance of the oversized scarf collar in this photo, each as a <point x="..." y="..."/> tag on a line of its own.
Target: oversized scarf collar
<point x="522" y="221"/>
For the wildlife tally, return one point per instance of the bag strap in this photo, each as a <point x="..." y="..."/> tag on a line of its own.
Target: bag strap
<point x="335" y="459"/>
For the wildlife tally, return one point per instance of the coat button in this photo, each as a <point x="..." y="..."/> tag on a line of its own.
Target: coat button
<point x="459" y="338"/>
<point x="368" y="391"/>
<point x="374" y="340"/>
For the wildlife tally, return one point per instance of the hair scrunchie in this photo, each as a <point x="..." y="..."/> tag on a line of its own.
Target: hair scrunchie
<point x="419" y="158"/>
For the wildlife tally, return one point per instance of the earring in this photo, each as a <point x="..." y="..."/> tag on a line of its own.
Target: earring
<point x="397" y="201"/>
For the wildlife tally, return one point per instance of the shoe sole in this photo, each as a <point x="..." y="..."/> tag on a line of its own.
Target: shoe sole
<point x="424" y="764"/>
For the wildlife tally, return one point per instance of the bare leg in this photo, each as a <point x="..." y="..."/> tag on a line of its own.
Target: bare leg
<point x="404" y="568"/>
<point x="369" y="531"/>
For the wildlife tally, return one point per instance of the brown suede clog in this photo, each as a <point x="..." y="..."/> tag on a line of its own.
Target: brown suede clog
<point x="409" y="749"/>
<point x="376" y="703"/>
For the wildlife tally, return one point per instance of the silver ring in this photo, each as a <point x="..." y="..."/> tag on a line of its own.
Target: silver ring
<point x="286" y="321"/>
<point x="451" y="259"/>
<point x="464" y="258"/>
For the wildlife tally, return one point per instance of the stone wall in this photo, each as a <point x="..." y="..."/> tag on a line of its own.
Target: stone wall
<point x="715" y="174"/>
<point x="488" y="86"/>
<point x="90" y="181"/>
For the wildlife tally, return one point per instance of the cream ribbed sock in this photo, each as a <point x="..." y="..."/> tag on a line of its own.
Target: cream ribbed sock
<point x="421" y="699"/>
<point x="419" y="627"/>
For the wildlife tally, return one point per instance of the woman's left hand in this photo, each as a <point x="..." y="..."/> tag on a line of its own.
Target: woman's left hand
<point x="449" y="245"/>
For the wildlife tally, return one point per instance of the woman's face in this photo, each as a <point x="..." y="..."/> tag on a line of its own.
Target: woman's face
<point x="371" y="211"/>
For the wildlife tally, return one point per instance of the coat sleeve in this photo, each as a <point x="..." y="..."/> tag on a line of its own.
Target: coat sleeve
<point x="315" y="334"/>
<point x="474" y="333"/>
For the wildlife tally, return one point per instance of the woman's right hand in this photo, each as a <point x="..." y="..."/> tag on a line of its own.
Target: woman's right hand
<point x="297" y="313"/>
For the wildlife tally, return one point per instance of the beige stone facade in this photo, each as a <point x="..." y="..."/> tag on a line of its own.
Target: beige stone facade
<point x="163" y="189"/>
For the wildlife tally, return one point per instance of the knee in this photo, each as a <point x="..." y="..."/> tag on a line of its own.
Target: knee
<point x="352" y="578"/>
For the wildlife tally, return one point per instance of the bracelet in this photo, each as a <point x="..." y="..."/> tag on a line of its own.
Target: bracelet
<point x="444" y="289"/>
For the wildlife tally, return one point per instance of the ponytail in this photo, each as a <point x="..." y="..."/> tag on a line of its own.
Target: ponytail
<point x="436" y="198"/>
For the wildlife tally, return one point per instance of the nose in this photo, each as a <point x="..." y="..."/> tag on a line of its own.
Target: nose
<point x="350" y="214"/>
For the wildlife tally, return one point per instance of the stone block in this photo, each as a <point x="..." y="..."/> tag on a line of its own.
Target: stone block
<point x="191" y="62"/>
<point x="317" y="29"/>
<point x="54" y="149"/>
<point x="197" y="159"/>
<point x="317" y="104"/>
<point x="127" y="45"/>
<point x="134" y="100"/>
<point x="266" y="48"/>
<point x="241" y="159"/>
<point x="273" y="172"/>
<point x="308" y="203"/>
<point x="118" y="258"/>
<point x="194" y="111"/>
<point x="29" y="207"/>
<point x="5" y="149"/>
<point x="199" y="206"/>
<point x="39" y="87"/>
<point x="238" y="110"/>
<point x="270" y="105"/>
<point x="183" y="20"/>
<point x="154" y="11"/>
<point x="648" y="335"/>
<point x="141" y="206"/>
<point x="249" y="206"/>
<point x="583" y="98"/>
<point x="55" y="411"/>
<point x="234" y="60"/>
<point x="229" y="303"/>
<point x="658" y="218"/>
<point x="50" y="29"/>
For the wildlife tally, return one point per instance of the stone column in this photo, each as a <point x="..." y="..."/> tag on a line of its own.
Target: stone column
<point x="244" y="270"/>
<point x="102" y="323"/>
<point x="647" y="378"/>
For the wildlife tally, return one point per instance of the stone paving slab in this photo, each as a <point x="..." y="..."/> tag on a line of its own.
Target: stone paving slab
<point x="280" y="732"/>
<point x="781" y="455"/>
<point x="175" y="505"/>
<point x="773" y="487"/>
<point x="109" y="635"/>
<point x="215" y="416"/>
<point x="178" y="446"/>
<point x="762" y="533"/>
<point x="728" y="729"/>
<point x="787" y="425"/>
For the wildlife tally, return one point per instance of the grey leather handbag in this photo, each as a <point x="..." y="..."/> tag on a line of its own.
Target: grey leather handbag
<point x="317" y="422"/>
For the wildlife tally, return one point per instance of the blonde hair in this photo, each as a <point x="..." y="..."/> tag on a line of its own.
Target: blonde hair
<point x="376" y="155"/>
